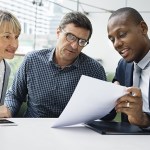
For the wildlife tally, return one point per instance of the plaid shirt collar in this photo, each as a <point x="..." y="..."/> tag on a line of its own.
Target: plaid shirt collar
<point x="76" y="63"/>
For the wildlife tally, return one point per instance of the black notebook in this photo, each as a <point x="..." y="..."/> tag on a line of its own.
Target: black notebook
<point x="5" y="122"/>
<point x="113" y="128"/>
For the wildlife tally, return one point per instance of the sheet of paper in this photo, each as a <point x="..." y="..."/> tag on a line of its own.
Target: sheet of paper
<point x="91" y="100"/>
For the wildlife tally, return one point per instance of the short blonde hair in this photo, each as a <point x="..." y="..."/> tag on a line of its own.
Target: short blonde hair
<point x="9" y="22"/>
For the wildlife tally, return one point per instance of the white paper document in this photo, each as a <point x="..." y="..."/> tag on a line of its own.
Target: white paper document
<point x="91" y="100"/>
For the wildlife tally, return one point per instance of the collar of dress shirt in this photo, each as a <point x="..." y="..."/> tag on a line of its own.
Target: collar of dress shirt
<point x="145" y="62"/>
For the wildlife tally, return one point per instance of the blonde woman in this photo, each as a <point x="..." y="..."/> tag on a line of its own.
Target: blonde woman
<point x="10" y="29"/>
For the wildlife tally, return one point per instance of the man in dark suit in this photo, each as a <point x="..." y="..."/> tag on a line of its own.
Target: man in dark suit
<point x="129" y="34"/>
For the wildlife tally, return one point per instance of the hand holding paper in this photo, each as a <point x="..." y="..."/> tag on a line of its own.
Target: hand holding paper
<point x="92" y="99"/>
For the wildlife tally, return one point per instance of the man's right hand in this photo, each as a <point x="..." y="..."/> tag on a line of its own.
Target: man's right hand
<point x="4" y="112"/>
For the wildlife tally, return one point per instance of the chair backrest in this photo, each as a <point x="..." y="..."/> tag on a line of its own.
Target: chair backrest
<point x="22" y="110"/>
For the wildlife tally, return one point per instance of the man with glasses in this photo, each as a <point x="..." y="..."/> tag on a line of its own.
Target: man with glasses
<point x="48" y="77"/>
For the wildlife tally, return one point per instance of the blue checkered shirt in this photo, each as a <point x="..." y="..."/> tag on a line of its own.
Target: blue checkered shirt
<point x="46" y="87"/>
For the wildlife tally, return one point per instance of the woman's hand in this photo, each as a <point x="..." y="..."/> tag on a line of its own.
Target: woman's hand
<point x="4" y="112"/>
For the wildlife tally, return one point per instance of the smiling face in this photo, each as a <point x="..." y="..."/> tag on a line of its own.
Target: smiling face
<point x="8" y="41"/>
<point x="128" y="38"/>
<point x="67" y="52"/>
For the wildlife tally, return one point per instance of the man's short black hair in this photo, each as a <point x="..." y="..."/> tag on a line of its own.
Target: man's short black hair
<point x="131" y="13"/>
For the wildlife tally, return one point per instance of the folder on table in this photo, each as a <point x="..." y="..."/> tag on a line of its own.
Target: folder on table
<point x="6" y="122"/>
<point x="116" y="128"/>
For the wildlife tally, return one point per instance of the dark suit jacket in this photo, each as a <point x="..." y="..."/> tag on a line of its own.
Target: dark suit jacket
<point x="124" y="74"/>
<point x="5" y="81"/>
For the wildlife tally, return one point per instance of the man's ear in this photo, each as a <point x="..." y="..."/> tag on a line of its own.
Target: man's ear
<point x="144" y="27"/>
<point x="58" y="32"/>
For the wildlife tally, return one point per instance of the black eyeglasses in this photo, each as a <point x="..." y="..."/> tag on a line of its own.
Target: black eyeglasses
<point x="72" y="38"/>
